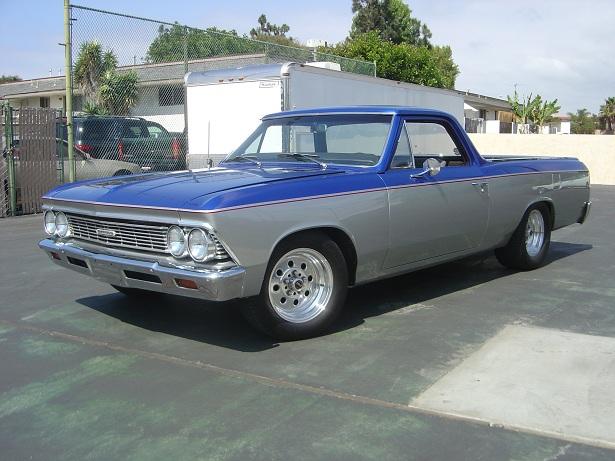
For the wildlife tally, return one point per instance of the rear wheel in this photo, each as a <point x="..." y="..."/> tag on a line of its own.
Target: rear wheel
<point x="304" y="288"/>
<point x="529" y="244"/>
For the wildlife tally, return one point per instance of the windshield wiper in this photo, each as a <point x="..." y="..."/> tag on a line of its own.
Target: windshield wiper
<point x="308" y="157"/>
<point x="245" y="158"/>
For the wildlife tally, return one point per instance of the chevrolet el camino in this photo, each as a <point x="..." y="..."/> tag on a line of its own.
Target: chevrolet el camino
<point x="313" y="202"/>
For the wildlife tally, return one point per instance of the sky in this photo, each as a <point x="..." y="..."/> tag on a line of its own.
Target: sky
<point x="556" y="48"/>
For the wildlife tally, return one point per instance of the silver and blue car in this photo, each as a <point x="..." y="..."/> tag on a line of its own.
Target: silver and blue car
<point x="313" y="202"/>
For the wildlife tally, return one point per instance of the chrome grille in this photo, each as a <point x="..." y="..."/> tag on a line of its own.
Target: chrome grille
<point x="135" y="236"/>
<point x="119" y="233"/>
<point x="221" y="253"/>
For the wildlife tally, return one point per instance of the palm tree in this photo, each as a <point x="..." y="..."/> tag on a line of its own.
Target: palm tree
<point x="607" y="112"/>
<point x="105" y="90"/>
<point x="523" y="109"/>
<point x="542" y="111"/>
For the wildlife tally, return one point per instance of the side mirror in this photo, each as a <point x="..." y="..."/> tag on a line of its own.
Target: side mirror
<point x="431" y="167"/>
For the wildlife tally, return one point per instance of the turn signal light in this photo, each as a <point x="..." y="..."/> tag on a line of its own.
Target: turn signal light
<point x="186" y="283"/>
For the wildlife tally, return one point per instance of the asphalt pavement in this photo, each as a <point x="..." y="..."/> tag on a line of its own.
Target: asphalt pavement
<point x="465" y="361"/>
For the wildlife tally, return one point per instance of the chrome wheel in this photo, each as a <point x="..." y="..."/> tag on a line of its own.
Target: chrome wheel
<point x="300" y="285"/>
<point x="534" y="233"/>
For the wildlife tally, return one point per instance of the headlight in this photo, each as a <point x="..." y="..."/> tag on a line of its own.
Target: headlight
<point x="62" y="229"/>
<point x="200" y="245"/>
<point x="176" y="240"/>
<point x="50" y="222"/>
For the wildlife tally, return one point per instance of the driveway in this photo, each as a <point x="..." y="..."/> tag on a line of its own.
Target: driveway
<point x="465" y="361"/>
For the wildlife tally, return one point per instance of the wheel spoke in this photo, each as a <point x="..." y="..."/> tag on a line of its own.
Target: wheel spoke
<point x="534" y="233"/>
<point x="304" y="281"/>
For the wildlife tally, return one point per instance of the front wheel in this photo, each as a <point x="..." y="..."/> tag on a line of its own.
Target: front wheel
<point x="529" y="244"/>
<point x="304" y="288"/>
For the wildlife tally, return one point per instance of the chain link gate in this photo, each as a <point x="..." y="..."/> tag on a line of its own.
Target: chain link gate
<point x="128" y="73"/>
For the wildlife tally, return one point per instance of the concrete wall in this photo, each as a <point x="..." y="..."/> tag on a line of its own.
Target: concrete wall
<point x="597" y="152"/>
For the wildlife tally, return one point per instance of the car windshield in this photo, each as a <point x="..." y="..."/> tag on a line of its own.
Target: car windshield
<point x="350" y="139"/>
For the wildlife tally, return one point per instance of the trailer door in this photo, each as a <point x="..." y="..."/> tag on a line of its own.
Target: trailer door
<point x="222" y="115"/>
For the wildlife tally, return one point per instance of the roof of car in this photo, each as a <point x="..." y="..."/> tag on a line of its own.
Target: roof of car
<point x="382" y="110"/>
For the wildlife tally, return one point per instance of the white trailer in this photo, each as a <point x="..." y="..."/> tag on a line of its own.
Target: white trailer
<point x="224" y="106"/>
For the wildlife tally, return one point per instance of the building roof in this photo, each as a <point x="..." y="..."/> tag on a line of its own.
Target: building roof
<point x="563" y="117"/>
<point x="171" y="72"/>
<point x="480" y="101"/>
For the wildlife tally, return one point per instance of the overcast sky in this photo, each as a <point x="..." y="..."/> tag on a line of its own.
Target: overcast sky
<point x="560" y="49"/>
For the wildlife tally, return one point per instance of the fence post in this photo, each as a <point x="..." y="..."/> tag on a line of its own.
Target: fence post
<point x="68" y="66"/>
<point x="10" y="160"/>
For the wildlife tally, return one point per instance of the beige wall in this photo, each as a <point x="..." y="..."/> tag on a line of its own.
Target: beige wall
<point x="597" y="152"/>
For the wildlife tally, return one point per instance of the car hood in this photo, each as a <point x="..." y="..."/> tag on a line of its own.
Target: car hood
<point x="184" y="189"/>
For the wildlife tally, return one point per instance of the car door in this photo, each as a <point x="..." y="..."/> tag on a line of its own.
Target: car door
<point x="432" y="216"/>
<point x="135" y="143"/>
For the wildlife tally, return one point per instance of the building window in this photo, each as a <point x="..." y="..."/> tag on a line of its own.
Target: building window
<point x="44" y="102"/>
<point x="482" y="113"/>
<point x="171" y="95"/>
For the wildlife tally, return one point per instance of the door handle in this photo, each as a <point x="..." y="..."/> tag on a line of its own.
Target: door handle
<point x="482" y="186"/>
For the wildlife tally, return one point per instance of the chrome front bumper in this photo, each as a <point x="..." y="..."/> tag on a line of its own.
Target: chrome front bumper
<point x="132" y="273"/>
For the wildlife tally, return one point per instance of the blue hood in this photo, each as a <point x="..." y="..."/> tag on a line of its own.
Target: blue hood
<point x="184" y="189"/>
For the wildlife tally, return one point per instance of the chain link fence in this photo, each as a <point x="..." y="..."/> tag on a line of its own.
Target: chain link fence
<point x="129" y="99"/>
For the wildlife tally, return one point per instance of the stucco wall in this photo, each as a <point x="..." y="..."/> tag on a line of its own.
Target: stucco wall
<point x="597" y="152"/>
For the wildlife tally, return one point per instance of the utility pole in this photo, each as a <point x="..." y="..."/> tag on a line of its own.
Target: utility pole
<point x="68" y="69"/>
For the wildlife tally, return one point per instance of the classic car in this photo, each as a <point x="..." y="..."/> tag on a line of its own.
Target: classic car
<point x="312" y="203"/>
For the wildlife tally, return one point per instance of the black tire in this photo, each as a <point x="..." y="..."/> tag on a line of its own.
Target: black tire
<point x="260" y="311"/>
<point x="515" y="254"/>
<point x="122" y="173"/>
<point x="133" y="292"/>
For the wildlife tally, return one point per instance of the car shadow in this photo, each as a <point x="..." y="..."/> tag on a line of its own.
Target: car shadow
<point x="221" y="324"/>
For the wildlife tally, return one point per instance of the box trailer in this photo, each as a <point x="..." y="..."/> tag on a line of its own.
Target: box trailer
<point x="224" y="106"/>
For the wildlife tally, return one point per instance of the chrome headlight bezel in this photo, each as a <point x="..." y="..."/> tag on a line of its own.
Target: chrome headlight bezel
<point x="62" y="228"/>
<point x="177" y="242"/>
<point x="49" y="222"/>
<point x="201" y="246"/>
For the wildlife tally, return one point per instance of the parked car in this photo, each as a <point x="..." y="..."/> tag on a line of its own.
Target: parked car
<point x="131" y="139"/>
<point x="86" y="167"/>
<point x="315" y="201"/>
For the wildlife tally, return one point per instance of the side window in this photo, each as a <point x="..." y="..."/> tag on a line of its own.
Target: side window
<point x="431" y="140"/>
<point x="155" y="131"/>
<point x="403" y="153"/>
<point x="134" y="130"/>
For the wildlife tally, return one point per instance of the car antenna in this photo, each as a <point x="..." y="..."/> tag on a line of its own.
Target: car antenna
<point x="208" y="141"/>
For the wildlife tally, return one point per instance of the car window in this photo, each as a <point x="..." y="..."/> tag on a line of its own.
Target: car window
<point x="92" y="130"/>
<point x="155" y="130"/>
<point x="432" y="140"/>
<point x="403" y="152"/>
<point x="359" y="137"/>
<point x="353" y="139"/>
<point x="134" y="130"/>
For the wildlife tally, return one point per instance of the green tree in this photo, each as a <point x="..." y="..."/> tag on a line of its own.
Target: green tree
<point x="9" y="78"/>
<point x="169" y="45"/>
<point x="522" y="109"/>
<point x="407" y="63"/>
<point x="583" y="122"/>
<point x="105" y="90"/>
<point x="267" y="32"/>
<point x="392" y="19"/>
<point x="607" y="113"/>
<point x="543" y="111"/>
